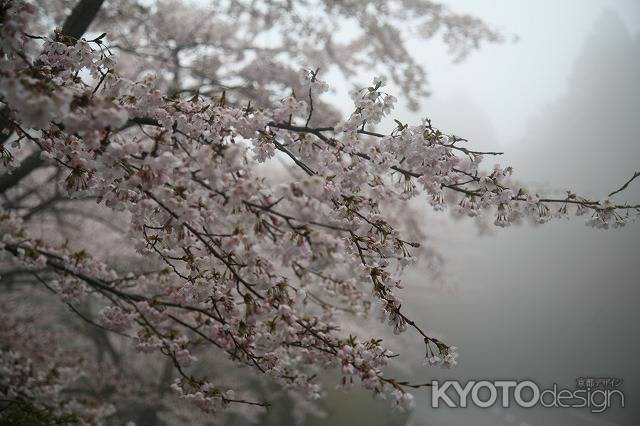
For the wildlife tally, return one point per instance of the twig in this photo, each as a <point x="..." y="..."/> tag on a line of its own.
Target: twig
<point x="623" y="187"/>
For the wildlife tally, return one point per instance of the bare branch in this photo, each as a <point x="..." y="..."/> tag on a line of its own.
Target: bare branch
<point x="81" y="17"/>
<point x="29" y="164"/>
<point x="623" y="187"/>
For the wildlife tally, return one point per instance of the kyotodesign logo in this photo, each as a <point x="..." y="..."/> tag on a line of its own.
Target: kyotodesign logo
<point x="598" y="395"/>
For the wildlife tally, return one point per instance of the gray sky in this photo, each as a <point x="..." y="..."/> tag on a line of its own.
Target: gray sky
<point x="511" y="82"/>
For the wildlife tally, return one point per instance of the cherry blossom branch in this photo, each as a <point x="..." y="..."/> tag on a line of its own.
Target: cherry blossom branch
<point x="245" y="251"/>
<point x="571" y="198"/>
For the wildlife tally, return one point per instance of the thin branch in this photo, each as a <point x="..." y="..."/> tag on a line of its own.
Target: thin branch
<point x="623" y="187"/>
<point x="299" y="163"/>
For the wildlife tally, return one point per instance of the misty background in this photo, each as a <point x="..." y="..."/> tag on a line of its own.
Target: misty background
<point x="561" y="97"/>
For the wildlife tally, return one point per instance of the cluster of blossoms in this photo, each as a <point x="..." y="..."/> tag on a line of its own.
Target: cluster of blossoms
<point x="36" y="376"/>
<point x="259" y="270"/>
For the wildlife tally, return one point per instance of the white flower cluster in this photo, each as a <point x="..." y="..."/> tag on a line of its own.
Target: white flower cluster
<point x="37" y="375"/>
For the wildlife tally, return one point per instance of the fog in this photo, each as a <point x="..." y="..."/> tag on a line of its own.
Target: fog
<point x="556" y="302"/>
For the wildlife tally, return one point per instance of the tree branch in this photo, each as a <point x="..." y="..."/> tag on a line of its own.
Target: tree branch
<point x="80" y="18"/>
<point x="29" y="164"/>
<point x="626" y="184"/>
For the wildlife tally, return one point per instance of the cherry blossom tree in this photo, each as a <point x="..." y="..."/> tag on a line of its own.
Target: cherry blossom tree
<point x="168" y="119"/>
